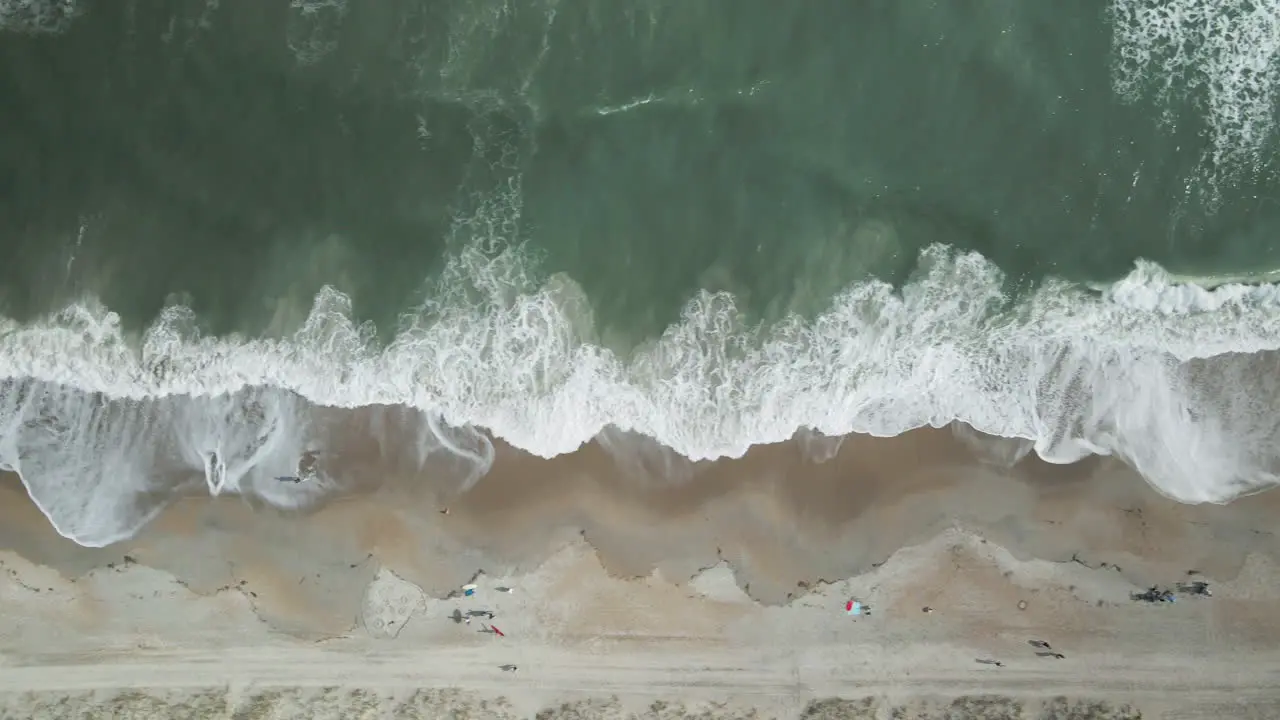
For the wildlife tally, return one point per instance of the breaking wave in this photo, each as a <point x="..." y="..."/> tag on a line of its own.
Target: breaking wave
<point x="1164" y="375"/>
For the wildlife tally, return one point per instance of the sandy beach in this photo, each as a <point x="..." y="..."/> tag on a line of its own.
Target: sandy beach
<point x="711" y="591"/>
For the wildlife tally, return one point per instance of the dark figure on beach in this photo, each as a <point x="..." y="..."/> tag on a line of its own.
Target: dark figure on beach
<point x="289" y="478"/>
<point x="480" y="613"/>
<point x="1196" y="588"/>
<point x="1154" y="595"/>
<point x="988" y="661"/>
<point x="456" y="617"/>
<point x="1056" y="655"/>
<point x="1039" y="644"/>
<point x="508" y="668"/>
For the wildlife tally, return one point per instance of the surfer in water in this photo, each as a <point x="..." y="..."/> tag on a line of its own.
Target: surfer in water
<point x="307" y="468"/>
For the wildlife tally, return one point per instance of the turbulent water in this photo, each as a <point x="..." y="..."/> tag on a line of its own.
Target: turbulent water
<point x="236" y="236"/>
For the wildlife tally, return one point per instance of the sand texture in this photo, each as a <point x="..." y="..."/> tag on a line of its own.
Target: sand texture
<point x="687" y="600"/>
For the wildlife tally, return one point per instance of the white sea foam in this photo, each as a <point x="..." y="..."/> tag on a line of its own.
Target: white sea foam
<point x="1147" y="371"/>
<point x="1225" y="54"/>
<point x="38" y="16"/>
<point x="312" y="32"/>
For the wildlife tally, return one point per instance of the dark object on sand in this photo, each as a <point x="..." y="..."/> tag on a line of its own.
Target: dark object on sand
<point x="988" y="661"/>
<point x="1056" y="655"/>
<point x="1154" y="594"/>
<point x="289" y="478"/>
<point x="926" y="609"/>
<point x="1039" y="644"/>
<point x="480" y="613"/>
<point x="456" y="617"/>
<point x="1195" y="588"/>
<point x="508" y="668"/>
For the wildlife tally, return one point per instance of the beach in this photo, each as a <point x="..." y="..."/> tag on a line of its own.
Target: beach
<point x="894" y="359"/>
<point x="700" y="599"/>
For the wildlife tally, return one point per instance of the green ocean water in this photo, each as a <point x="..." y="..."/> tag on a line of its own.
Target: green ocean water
<point x="233" y="155"/>
<point x="225" y="225"/>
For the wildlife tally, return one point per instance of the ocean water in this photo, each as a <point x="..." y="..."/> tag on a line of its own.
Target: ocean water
<point x="245" y="240"/>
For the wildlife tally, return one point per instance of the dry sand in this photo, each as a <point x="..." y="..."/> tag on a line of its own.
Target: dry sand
<point x="708" y="591"/>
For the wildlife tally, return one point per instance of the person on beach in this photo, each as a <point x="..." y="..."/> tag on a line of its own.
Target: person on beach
<point x="508" y="668"/>
<point x="1154" y="595"/>
<point x="988" y="661"/>
<point x="1039" y="644"/>
<point x="1055" y="655"/>
<point x="289" y="478"/>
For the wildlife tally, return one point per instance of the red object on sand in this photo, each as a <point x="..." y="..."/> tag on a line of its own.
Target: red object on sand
<point x="848" y="607"/>
<point x="496" y="630"/>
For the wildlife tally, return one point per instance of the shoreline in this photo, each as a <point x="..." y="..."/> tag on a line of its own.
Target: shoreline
<point x="784" y="514"/>
<point x="696" y="593"/>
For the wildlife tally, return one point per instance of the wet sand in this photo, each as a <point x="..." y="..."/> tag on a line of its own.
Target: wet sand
<point x="647" y="586"/>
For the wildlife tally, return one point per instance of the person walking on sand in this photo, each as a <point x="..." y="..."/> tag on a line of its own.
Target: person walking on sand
<point x="508" y="668"/>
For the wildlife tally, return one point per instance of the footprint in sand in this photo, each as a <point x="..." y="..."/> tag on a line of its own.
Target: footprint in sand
<point x="389" y="603"/>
